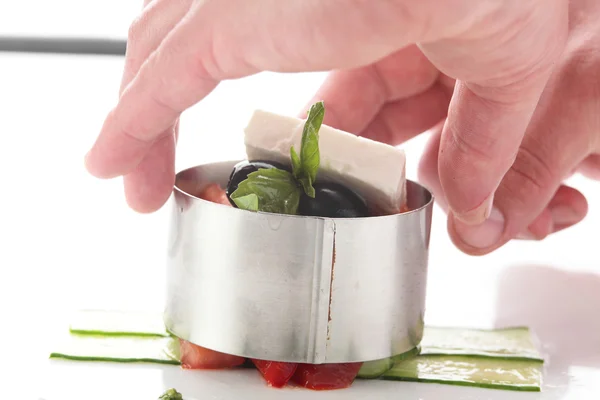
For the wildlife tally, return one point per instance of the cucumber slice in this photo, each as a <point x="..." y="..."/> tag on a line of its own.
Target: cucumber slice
<point x="374" y="369"/>
<point x="500" y="359"/>
<point x="118" y="323"/>
<point x="493" y="373"/>
<point x="409" y="354"/>
<point x="172" y="349"/>
<point x="509" y="343"/>
<point x="160" y="350"/>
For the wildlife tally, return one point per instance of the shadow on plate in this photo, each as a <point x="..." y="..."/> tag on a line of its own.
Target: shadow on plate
<point x="248" y="385"/>
<point x="561" y="307"/>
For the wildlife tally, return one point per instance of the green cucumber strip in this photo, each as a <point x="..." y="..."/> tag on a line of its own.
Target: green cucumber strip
<point x="496" y="373"/>
<point x="172" y="349"/>
<point x="509" y="343"/>
<point x="374" y="369"/>
<point x="118" y="323"/>
<point x="158" y="350"/>
<point x="409" y="354"/>
<point x="499" y="359"/>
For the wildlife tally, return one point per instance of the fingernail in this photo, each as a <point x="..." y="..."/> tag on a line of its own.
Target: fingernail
<point x="563" y="215"/>
<point x="484" y="235"/>
<point x="479" y="214"/>
<point x="526" y="235"/>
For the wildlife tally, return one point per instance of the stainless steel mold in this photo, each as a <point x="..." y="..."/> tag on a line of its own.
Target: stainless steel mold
<point x="293" y="288"/>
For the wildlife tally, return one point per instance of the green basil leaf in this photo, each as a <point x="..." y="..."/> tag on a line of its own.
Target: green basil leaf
<point x="296" y="164"/>
<point x="309" y="152"/>
<point x="248" y="202"/>
<point x="307" y="186"/>
<point x="306" y="166"/>
<point x="276" y="191"/>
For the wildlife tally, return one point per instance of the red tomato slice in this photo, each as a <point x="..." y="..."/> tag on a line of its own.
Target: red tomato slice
<point x="214" y="193"/>
<point x="196" y="357"/>
<point x="374" y="212"/>
<point x="276" y="373"/>
<point x="326" y="376"/>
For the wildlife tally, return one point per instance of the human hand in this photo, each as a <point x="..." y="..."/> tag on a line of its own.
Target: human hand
<point x="501" y="52"/>
<point x="404" y="94"/>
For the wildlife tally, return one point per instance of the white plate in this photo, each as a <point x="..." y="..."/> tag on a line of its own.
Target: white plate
<point x="68" y="241"/>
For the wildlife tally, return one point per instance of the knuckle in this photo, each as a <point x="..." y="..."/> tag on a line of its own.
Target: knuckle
<point x="582" y="72"/>
<point x="135" y="130"/>
<point x="140" y="133"/>
<point x="424" y="24"/>
<point x="202" y="67"/>
<point x="177" y="92"/>
<point x="534" y="174"/>
<point x="583" y="62"/>
<point x="206" y="64"/>
<point x="580" y="80"/>
<point x="200" y="63"/>
<point x="132" y="132"/>
<point x="137" y="27"/>
<point x="163" y="103"/>
<point x="139" y="35"/>
<point x="476" y="147"/>
<point x="140" y="26"/>
<point x="135" y="34"/>
<point x="534" y="49"/>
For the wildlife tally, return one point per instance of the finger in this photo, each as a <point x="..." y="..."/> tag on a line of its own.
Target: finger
<point x="127" y="149"/>
<point x="149" y="185"/>
<point x="142" y="117"/>
<point x="354" y="97"/>
<point x="220" y="40"/>
<point x="146" y="33"/>
<point x="402" y="120"/>
<point x="145" y="36"/>
<point x="546" y="157"/>
<point x="566" y="208"/>
<point x="429" y="176"/>
<point x="478" y="145"/>
<point x="590" y="167"/>
<point x="492" y="105"/>
<point x="428" y="166"/>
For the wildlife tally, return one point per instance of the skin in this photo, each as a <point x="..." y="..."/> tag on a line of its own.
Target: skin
<point x="509" y="89"/>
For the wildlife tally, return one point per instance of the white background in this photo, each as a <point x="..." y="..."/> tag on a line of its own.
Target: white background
<point x="68" y="241"/>
<point x="106" y="18"/>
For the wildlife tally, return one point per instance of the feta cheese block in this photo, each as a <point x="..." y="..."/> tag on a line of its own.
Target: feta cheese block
<point x="374" y="170"/>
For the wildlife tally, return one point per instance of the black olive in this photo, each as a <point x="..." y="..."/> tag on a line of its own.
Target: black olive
<point x="334" y="201"/>
<point x="242" y="169"/>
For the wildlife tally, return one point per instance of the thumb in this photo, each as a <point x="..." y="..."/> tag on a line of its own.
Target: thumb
<point x="494" y="99"/>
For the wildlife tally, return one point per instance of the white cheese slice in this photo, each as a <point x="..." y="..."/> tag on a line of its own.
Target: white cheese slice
<point x="374" y="170"/>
